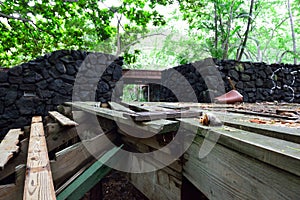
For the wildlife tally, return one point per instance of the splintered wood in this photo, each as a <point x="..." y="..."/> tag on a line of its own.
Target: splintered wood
<point x="9" y="146"/>
<point x="64" y="121"/>
<point x="38" y="180"/>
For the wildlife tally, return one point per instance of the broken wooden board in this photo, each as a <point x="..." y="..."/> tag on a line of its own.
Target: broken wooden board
<point x="63" y="120"/>
<point x="14" y="191"/>
<point x="9" y="146"/>
<point x="38" y="180"/>
<point x="10" y="167"/>
<point x="88" y="178"/>
<point x="155" y="126"/>
<point x="243" y="122"/>
<point x="262" y="114"/>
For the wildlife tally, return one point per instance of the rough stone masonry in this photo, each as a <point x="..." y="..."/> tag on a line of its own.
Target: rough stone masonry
<point x="36" y="87"/>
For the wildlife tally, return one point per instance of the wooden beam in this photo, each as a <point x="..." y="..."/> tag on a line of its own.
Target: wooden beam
<point x="38" y="180"/>
<point x="242" y="122"/>
<point x="155" y="126"/>
<point x="88" y="178"/>
<point x="74" y="157"/>
<point x="9" y="146"/>
<point x="15" y="190"/>
<point x="279" y="153"/>
<point x="148" y="116"/>
<point x="63" y="120"/>
<point x="227" y="174"/>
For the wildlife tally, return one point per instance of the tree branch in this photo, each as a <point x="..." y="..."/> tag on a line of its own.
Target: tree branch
<point x="136" y="41"/>
<point x="247" y="31"/>
<point x="16" y="18"/>
<point x="272" y="35"/>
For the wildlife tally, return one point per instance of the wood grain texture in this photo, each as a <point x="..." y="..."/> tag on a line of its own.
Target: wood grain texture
<point x="155" y="126"/>
<point x="38" y="180"/>
<point x="227" y="174"/>
<point x="279" y="153"/>
<point x="88" y="178"/>
<point x="9" y="146"/>
<point x="63" y="120"/>
<point x="71" y="159"/>
<point x="18" y="160"/>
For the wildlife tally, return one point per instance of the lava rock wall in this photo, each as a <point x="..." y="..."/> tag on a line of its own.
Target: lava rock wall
<point x="257" y="82"/>
<point x="36" y="87"/>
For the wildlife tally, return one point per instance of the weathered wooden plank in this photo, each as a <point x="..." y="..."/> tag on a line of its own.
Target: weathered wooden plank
<point x="276" y="152"/>
<point x="243" y="122"/>
<point x="228" y="174"/>
<point x="89" y="178"/>
<point x="9" y="146"/>
<point x="36" y="119"/>
<point x="148" y="116"/>
<point x="159" y="158"/>
<point x="18" y="160"/>
<point x="64" y="121"/>
<point x="155" y="126"/>
<point x="14" y="191"/>
<point x="119" y="107"/>
<point x="55" y="140"/>
<point x="157" y="185"/>
<point x="74" y="157"/>
<point x="38" y="180"/>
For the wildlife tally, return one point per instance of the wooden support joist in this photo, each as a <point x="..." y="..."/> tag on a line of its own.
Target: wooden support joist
<point x="9" y="146"/>
<point x="88" y="178"/>
<point x="18" y="160"/>
<point x="14" y="191"/>
<point x="279" y="153"/>
<point x="74" y="157"/>
<point x="38" y="180"/>
<point x="227" y="174"/>
<point x="63" y="120"/>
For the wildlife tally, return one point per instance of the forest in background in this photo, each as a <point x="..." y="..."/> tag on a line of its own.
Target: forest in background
<point x="152" y="34"/>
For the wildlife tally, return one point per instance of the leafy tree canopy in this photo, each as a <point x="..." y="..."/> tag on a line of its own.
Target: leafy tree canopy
<point x="29" y="28"/>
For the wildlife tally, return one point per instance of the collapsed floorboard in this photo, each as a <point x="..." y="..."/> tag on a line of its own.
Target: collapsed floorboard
<point x="9" y="146"/>
<point x="64" y="121"/>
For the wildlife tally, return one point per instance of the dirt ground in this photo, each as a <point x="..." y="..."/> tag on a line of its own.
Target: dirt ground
<point x="116" y="187"/>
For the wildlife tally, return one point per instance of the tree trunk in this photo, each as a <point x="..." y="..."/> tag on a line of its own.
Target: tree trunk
<point x="216" y="26"/>
<point x="118" y="36"/>
<point x="293" y="31"/>
<point x="225" y="53"/>
<point x="247" y="31"/>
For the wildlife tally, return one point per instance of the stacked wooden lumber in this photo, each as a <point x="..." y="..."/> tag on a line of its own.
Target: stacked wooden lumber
<point x="244" y="158"/>
<point x="53" y="157"/>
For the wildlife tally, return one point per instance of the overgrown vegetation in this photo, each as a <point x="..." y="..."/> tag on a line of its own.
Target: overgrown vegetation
<point x="147" y="34"/>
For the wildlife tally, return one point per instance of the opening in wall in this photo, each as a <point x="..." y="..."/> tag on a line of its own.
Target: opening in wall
<point x="132" y="92"/>
<point x="29" y="94"/>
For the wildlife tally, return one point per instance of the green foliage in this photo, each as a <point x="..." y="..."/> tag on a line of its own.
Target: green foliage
<point x="29" y="28"/>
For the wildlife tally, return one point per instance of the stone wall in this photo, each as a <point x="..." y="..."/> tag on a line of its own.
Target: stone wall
<point x="257" y="82"/>
<point x="36" y="87"/>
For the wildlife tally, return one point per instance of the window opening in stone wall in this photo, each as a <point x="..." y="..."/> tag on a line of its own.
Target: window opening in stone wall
<point x="29" y="94"/>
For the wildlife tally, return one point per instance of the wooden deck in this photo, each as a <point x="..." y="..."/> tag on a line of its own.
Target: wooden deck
<point x="255" y="154"/>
